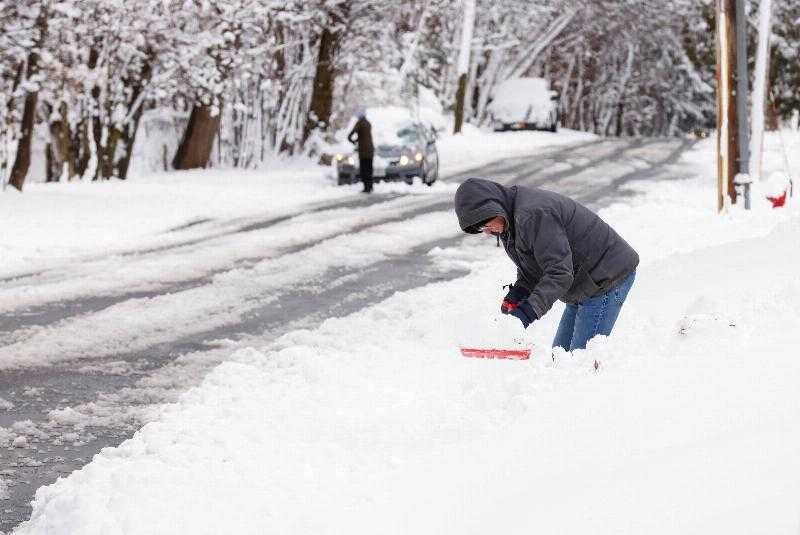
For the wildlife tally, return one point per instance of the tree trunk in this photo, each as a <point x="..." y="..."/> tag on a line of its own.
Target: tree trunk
<point x="82" y="150"/>
<point x="97" y="125"/>
<point x="131" y="127"/>
<point x="128" y="140"/>
<point x="620" y="116"/>
<point x="63" y="152"/>
<point x="106" y="150"/>
<point x="772" y="117"/>
<point x="759" y="97"/>
<point x="50" y="167"/>
<point x="459" y="111"/>
<point x="279" y="74"/>
<point x="467" y="29"/>
<point x="22" y="162"/>
<point x="194" y="150"/>
<point x="324" y="79"/>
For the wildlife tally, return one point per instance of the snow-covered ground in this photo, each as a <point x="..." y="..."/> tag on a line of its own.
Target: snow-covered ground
<point x="373" y="423"/>
<point x="63" y="223"/>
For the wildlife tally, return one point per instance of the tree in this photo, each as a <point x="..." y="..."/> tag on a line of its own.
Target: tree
<point x="467" y="29"/>
<point x="38" y="12"/>
<point x="760" y="87"/>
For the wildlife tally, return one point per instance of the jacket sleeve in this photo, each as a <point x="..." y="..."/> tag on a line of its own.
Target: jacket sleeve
<point x="552" y="252"/>
<point x="522" y="281"/>
<point x="350" y="135"/>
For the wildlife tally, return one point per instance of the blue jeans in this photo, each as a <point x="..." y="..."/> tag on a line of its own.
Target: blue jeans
<point x="597" y="315"/>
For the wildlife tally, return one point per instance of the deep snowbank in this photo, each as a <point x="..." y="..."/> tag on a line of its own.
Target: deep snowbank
<point x="374" y="423"/>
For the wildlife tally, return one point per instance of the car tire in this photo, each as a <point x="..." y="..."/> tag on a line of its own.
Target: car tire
<point x="432" y="175"/>
<point x="554" y="125"/>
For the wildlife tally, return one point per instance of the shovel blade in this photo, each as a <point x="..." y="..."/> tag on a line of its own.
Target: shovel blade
<point x="493" y="353"/>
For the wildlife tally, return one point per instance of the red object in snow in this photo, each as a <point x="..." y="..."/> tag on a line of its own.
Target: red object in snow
<point x="777" y="202"/>
<point x="488" y="353"/>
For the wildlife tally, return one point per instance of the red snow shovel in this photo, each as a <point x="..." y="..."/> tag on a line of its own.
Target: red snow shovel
<point x="488" y="353"/>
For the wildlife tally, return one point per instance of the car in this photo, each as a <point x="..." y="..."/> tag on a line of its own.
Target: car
<point x="404" y="149"/>
<point x="524" y="104"/>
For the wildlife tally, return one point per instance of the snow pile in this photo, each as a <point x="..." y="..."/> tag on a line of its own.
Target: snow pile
<point x="776" y="184"/>
<point x="374" y="422"/>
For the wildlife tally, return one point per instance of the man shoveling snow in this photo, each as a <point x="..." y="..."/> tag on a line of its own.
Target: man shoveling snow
<point x="562" y="250"/>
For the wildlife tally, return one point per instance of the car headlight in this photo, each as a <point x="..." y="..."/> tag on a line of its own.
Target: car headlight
<point x="351" y="160"/>
<point x="403" y="160"/>
<point x="339" y="157"/>
<point x="418" y="156"/>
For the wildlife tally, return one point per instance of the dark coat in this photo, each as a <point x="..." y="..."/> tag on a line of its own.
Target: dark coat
<point x="363" y="131"/>
<point x="562" y="250"/>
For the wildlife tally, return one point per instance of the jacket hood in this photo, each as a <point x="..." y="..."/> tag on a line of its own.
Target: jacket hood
<point x="478" y="200"/>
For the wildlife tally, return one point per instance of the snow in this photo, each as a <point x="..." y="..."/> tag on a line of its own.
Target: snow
<point x="467" y="29"/>
<point x="386" y="122"/>
<point x="101" y="223"/>
<point x="60" y="224"/>
<point x="521" y="99"/>
<point x="458" y="153"/>
<point x="374" y="423"/>
<point x="760" y="88"/>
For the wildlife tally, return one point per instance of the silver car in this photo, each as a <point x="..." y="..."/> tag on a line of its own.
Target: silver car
<point x="412" y="153"/>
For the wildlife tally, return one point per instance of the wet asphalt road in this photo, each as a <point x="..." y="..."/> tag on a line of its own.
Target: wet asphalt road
<point x="124" y="385"/>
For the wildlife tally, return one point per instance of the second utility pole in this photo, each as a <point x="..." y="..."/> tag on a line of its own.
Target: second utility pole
<point x="742" y="79"/>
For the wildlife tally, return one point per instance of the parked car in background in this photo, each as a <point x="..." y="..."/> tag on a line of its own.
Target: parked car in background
<point x="405" y="148"/>
<point x="524" y="104"/>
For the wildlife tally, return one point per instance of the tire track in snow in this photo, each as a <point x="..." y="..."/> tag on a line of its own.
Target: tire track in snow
<point x="50" y="313"/>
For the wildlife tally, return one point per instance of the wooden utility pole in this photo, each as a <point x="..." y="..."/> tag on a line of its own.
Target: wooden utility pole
<point x="727" y="136"/>
<point x="742" y="90"/>
<point x="742" y="82"/>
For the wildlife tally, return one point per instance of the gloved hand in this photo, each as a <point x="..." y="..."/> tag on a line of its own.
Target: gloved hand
<point x="516" y="303"/>
<point x="524" y="313"/>
<point x="515" y="295"/>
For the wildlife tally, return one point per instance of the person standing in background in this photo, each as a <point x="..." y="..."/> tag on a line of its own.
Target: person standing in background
<point x="366" y="151"/>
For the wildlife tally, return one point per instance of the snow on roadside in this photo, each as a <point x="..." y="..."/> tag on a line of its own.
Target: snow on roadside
<point x="680" y="215"/>
<point x="692" y="424"/>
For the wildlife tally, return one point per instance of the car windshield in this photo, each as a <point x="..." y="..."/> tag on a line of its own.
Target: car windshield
<point x="409" y="136"/>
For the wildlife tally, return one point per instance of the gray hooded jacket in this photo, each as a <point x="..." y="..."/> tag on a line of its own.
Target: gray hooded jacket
<point x="562" y="250"/>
